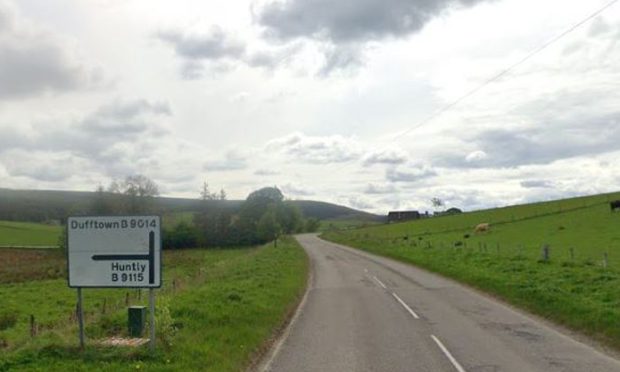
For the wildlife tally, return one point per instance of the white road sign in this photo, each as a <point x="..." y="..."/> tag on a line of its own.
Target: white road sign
<point x="114" y="251"/>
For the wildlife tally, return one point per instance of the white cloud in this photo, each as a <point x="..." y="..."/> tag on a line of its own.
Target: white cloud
<point x="390" y="157"/>
<point x="476" y="156"/>
<point x="233" y="160"/>
<point x="293" y="190"/>
<point x="316" y="149"/>
<point x="35" y="60"/>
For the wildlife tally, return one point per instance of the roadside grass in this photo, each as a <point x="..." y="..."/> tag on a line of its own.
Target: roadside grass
<point x="28" y="234"/>
<point x="215" y="312"/>
<point x="574" y="289"/>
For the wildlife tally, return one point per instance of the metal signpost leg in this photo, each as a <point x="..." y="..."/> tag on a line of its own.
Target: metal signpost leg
<point x="152" y="312"/>
<point x="80" y="315"/>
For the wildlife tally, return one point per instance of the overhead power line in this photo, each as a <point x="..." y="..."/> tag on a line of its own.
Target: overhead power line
<point x="505" y="71"/>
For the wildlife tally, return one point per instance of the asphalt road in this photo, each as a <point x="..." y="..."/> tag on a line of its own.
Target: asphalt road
<point x="368" y="313"/>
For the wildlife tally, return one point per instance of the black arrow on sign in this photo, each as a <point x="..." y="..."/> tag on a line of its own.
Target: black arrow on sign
<point x="133" y="257"/>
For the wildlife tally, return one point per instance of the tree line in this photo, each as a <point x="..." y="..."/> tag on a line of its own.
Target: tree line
<point x="264" y="216"/>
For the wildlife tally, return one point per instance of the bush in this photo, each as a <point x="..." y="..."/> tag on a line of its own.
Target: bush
<point x="183" y="235"/>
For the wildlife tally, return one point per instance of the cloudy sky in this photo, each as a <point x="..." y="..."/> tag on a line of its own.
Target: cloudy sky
<point x="328" y="100"/>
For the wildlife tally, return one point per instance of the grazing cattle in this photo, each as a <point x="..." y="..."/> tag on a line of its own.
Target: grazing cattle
<point x="613" y="205"/>
<point x="482" y="227"/>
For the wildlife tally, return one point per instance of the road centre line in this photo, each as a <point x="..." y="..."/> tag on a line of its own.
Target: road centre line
<point x="456" y="364"/>
<point x="380" y="282"/>
<point x="413" y="314"/>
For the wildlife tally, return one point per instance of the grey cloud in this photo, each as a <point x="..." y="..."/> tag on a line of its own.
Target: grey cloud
<point x="231" y="161"/>
<point x="215" y="44"/>
<point x="390" y="157"/>
<point x="350" y="20"/>
<point x="321" y="150"/>
<point x="599" y="26"/>
<point x="266" y="172"/>
<point x="359" y="203"/>
<point x="410" y="175"/>
<point x="217" y="48"/>
<point x="341" y="58"/>
<point x="557" y="136"/>
<point x="39" y="165"/>
<point x="373" y="189"/>
<point x="192" y="70"/>
<point x="345" y="26"/>
<point x="33" y="62"/>
<point x="531" y="184"/>
<point x="116" y="138"/>
<point x="131" y="109"/>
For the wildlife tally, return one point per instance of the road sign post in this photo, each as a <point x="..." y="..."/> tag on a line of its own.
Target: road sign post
<point x="114" y="252"/>
<point x="80" y="316"/>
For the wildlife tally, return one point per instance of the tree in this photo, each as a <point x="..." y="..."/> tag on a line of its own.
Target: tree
<point x="289" y="217"/>
<point x="104" y="202"/>
<point x="268" y="227"/>
<point x="138" y="193"/>
<point x="312" y="224"/>
<point x="222" y="194"/>
<point x="206" y="194"/>
<point x="272" y="194"/>
<point x="437" y="203"/>
<point x="183" y="235"/>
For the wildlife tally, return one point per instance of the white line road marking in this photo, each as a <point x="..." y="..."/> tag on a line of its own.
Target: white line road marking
<point x="447" y="353"/>
<point x="380" y="282"/>
<point x="413" y="314"/>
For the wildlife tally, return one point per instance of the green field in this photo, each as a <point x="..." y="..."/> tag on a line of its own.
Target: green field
<point x="217" y="309"/>
<point x="579" y="286"/>
<point x="344" y="224"/>
<point x="28" y="234"/>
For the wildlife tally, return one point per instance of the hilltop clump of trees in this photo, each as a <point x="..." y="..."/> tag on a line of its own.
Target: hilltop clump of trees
<point x="263" y="217"/>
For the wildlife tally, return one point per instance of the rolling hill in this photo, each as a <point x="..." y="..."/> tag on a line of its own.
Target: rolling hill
<point x="45" y="205"/>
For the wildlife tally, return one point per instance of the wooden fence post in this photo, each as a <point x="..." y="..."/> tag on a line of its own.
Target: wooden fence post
<point x="33" y="326"/>
<point x="545" y="252"/>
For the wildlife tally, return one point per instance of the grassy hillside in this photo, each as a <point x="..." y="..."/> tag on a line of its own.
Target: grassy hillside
<point x="44" y="205"/>
<point x="575" y="287"/>
<point x="28" y="234"/>
<point x="217" y="308"/>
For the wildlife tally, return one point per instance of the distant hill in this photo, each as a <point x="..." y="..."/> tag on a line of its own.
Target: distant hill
<point x="44" y="205"/>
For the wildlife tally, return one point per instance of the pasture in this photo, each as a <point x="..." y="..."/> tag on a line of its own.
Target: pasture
<point x="578" y="286"/>
<point x="216" y="310"/>
<point x="28" y="234"/>
<point x="344" y="224"/>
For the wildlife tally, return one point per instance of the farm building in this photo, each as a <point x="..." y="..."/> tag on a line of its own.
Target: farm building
<point x="398" y="216"/>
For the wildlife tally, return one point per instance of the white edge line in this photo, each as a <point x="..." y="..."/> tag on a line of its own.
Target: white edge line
<point x="380" y="282"/>
<point x="413" y="314"/>
<point x="447" y="353"/>
<point x="269" y="357"/>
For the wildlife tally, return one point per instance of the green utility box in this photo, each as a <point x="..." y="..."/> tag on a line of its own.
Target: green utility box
<point x="137" y="320"/>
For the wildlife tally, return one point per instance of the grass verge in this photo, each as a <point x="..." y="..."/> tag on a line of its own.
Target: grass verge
<point x="215" y="312"/>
